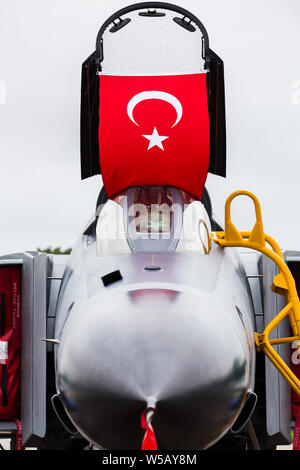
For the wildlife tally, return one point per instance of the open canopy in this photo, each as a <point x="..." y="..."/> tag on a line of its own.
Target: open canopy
<point x="153" y="129"/>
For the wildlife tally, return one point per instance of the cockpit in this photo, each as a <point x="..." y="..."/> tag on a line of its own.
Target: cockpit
<point x="152" y="219"/>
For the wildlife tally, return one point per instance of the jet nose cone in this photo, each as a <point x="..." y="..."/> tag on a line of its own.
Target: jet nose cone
<point x="166" y="346"/>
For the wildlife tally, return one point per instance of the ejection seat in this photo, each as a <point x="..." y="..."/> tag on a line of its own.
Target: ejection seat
<point x="152" y="218"/>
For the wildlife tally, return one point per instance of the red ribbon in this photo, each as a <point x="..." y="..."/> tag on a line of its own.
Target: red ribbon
<point x="149" y="441"/>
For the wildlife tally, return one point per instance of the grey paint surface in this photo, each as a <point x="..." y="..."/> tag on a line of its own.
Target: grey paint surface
<point x="102" y="320"/>
<point x="278" y="392"/>
<point x="33" y="363"/>
<point x="83" y="278"/>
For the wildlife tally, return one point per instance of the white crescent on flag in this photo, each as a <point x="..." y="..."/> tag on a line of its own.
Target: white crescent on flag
<point x="150" y="95"/>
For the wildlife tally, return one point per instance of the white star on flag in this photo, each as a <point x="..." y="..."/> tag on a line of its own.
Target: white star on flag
<point x="155" y="139"/>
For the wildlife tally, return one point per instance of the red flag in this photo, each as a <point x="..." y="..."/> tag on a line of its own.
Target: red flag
<point x="154" y="130"/>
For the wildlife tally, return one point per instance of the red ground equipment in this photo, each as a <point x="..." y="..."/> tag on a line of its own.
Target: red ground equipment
<point x="10" y="342"/>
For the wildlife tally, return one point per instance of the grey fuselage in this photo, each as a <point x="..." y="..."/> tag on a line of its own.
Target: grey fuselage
<point x="175" y="331"/>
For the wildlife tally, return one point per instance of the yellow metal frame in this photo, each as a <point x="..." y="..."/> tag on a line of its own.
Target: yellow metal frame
<point x="283" y="283"/>
<point x="207" y="248"/>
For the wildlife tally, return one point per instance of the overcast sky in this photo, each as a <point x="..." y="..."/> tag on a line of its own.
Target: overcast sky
<point x="42" y="46"/>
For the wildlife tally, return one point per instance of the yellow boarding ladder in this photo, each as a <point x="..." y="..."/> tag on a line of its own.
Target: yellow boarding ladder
<point x="283" y="283"/>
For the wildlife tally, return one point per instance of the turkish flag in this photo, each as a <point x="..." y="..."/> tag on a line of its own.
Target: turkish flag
<point x="149" y="440"/>
<point x="154" y="130"/>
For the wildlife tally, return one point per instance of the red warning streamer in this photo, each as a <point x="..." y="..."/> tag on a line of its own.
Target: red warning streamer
<point x="149" y="441"/>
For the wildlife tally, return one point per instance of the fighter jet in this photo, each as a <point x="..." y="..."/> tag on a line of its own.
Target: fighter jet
<point x="151" y="334"/>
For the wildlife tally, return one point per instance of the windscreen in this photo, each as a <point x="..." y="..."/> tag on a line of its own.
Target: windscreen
<point x="152" y="46"/>
<point x="153" y="209"/>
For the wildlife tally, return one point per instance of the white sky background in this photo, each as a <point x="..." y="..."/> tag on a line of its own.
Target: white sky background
<point x="42" y="46"/>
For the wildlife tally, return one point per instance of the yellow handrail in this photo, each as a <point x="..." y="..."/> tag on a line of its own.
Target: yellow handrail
<point x="283" y="283"/>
